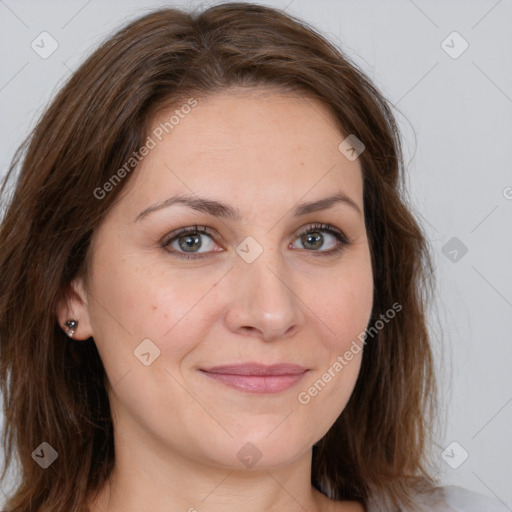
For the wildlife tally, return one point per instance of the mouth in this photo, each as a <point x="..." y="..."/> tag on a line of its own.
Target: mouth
<point x="257" y="378"/>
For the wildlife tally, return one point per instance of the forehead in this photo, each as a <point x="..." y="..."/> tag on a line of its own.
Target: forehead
<point x="252" y="145"/>
<point x="244" y="117"/>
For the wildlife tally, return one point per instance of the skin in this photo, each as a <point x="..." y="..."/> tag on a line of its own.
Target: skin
<point x="177" y="431"/>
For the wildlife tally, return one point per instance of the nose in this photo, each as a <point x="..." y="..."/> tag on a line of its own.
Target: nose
<point x="265" y="302"/>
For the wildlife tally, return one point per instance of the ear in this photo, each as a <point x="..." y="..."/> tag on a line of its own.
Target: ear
<point x="74" y="305"/>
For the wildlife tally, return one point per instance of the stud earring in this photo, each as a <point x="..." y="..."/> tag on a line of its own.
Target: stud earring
<point x="71" y="327"/>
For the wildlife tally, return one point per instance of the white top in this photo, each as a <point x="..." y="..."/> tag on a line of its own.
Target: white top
<point x="449" y="498"/>
<point x="459" y="499"/>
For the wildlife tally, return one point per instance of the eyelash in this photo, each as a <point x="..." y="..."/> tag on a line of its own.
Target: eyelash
<point x="338" y="234"/>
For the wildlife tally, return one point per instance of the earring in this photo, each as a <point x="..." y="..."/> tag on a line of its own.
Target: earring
<point x="71" y="327"/>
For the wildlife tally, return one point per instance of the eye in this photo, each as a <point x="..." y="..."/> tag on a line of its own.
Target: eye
<point x="186" y="242"/>
<point x="311" y="237"/>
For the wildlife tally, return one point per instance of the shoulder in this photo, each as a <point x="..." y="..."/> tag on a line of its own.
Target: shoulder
<point x="452" y="498"/>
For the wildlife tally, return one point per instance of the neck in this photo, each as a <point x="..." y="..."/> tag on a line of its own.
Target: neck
<point x="151" y="483"/>
<point x="149" y="474"/>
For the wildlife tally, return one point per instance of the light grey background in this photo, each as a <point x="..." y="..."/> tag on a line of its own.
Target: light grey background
<point x="455" y="114"/>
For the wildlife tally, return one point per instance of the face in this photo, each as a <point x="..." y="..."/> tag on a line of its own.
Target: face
<point x="243" y="277"/>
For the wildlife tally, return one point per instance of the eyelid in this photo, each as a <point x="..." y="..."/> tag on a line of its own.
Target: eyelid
<point x="324" y="227"/>
<point x="185" y="230"/>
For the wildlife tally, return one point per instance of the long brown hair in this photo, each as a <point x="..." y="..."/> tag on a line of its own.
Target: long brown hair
<point x="55" y="391"/>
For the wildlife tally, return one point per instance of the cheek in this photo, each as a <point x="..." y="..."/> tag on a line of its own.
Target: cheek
<point x="134" y="301"/>
<point x="345" y="304"/>
<point x="344" y="307"/>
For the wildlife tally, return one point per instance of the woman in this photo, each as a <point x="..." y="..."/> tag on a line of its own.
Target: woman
<point x="212" y="291"/>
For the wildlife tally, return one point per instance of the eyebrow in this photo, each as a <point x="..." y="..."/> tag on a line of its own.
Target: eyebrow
<point x="223" y="210"/>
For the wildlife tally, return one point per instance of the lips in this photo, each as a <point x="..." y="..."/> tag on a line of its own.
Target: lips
<point x="257" y="378"/>
<point x="258" y="369"/>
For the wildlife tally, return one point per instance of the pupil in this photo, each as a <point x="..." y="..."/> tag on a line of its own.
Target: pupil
<point x="312" y="238"/>
<point x="190" y="241"/>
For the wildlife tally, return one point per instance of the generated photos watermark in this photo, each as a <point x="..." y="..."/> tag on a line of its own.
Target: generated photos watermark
<point x="305" y="396"/>
<point x="152" y="141"/>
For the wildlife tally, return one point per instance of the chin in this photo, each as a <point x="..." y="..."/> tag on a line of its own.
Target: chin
<point x="260" y="452"/>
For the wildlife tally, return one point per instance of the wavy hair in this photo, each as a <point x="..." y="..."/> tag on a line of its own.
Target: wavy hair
<point x="56" y="391"/>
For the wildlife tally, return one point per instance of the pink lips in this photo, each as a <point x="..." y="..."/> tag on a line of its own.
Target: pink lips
<point x="257" y="378"/>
